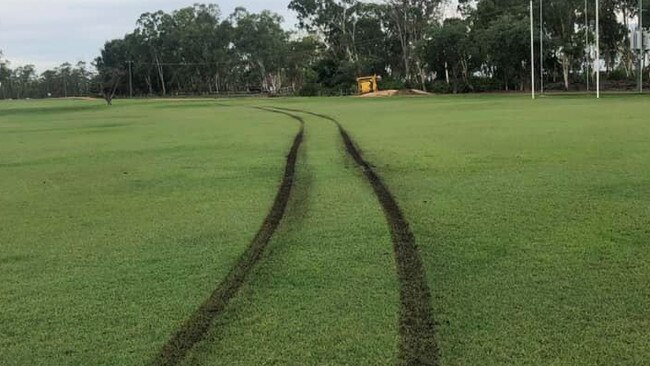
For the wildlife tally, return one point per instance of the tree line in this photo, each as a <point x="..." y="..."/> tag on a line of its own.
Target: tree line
<point x="66" y="80"/>
<point x="410" y="43"/>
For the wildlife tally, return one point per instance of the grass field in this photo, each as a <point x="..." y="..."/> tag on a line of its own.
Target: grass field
<point x="531" y="220"/>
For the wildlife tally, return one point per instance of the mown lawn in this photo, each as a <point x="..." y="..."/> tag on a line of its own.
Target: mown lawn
<point x="325" y="293"/>
<point x="532" y="219"/>
<point x="118" y="222"/>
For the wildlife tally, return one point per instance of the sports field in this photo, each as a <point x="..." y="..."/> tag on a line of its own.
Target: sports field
<point x="443" y="230"/>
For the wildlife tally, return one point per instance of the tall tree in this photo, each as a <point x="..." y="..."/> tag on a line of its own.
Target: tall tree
<point x="152" y="29"/>
<point x="447" y="50"/>
<point x="193" y="50"/>
<point x="24" y="78"/>
<point x="5" y="76"/>
<point x="334" y="20"/>
<point x="561" y="20"/>
<point x="408" y="21"/>
<point x="613" y="34"/>
<point x="262" y="45"/>
<point x="501" y="31"/>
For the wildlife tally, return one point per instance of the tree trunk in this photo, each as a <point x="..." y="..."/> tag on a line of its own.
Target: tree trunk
<point x="400" y="22"/>
<point x="447" y="72"/>
<point x="566" y="64"/>
<point x="161" y="76"/>
<point x="464" y="66"/>
<point x="147" y="80"/>
<point x="421" y="74"/>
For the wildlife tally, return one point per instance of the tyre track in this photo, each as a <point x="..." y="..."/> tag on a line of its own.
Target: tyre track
<point x="417" y="328"/>
<point x="196" y="327"/>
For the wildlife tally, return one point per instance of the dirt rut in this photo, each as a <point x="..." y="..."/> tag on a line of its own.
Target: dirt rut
<point x="196" y="327"/>
<point x="417" y="328"/>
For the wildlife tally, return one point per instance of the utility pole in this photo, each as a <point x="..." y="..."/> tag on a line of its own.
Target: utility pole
<point x="598" y="49"/>
<point x="587" y="41"/>
<point x="130" y="79"/>
<point x="641" y="47"/>
<point x="532" y="52"/>
<point x="541" y="46"/>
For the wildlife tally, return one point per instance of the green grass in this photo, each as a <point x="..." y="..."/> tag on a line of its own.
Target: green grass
<point x="117" y="222"/>
<point x="531" y="218"/>
<point x="325" y="293"/>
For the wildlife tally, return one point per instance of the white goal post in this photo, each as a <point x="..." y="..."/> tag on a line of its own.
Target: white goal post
<point x="597" y="63"/>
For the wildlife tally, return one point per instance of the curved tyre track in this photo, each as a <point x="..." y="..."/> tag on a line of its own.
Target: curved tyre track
<point x="417" y="328"/>
<point x="196" y="327"/>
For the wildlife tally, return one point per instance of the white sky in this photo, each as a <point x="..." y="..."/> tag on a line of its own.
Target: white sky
<point x="47" y="33"/>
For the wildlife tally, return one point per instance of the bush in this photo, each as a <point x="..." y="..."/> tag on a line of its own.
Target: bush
<point x="440" y="87"/>
<point x="318" y="89"/>
<point x="309" y="90"/>
<point x="619" y="74"/>
<point x="474" y="85"/>
<point x="483" y="85"/>
<point x="386" y="84"/>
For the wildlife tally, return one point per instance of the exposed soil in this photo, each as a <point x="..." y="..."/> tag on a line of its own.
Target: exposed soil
<point x="196" y="327"/>
<point x="417" y="328"/>
<point x="88" y="99"/>
<point x="395" y="92"/>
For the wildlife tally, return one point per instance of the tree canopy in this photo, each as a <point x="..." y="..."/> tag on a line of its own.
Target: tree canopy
<point x="485" y="46"/>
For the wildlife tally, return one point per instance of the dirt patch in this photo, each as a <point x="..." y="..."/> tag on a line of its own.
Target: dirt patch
<point x="88" y="99"/>
<point x="394" y="93"/>
<point x="196" y="327"/>
<point x="417" y="328"/>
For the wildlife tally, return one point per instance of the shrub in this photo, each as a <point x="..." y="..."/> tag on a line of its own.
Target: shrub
<point x="439" y="87"/>
<point x="483" y="84"/>
<point x="386" y="84"/>
<point x="309" y="90"/>
<point x="619" y="74"/>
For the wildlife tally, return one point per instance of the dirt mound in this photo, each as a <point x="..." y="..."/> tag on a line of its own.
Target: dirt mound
<point x="395" y="92"/>
<point x="382" y="93"/>
<point x="415" y="92"/>
<point x="88" y="99"/>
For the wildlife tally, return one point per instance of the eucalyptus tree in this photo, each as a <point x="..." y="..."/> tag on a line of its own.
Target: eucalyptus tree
<point x="369" y="40"/>
<point x="206" y="41"/>
<point x="500" y="30"/>
<point x="355" y="38"/>
<point x="561" y="19"/>
<point x="448" y="50"/>
<point x="628" y="10"/>
<point x="5" y="76"/>
<point x="409" y="20"/>
<point x="109" y="82"/>
<point x="196" y="50"/>
<point x="81" y="78"/>
<point x="112" y="59"/>
<point x="334" y="20"/>
<point x="23" y="81"/>
<point x="151" y="28"/>
<point x="303" y="55"/>
<point x="64" y="71"/>
<point x="262" y="46"/>
<point x="613" y="34"/>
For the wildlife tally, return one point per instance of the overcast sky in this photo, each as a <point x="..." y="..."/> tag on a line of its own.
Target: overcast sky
<point x="47" y="33"/>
